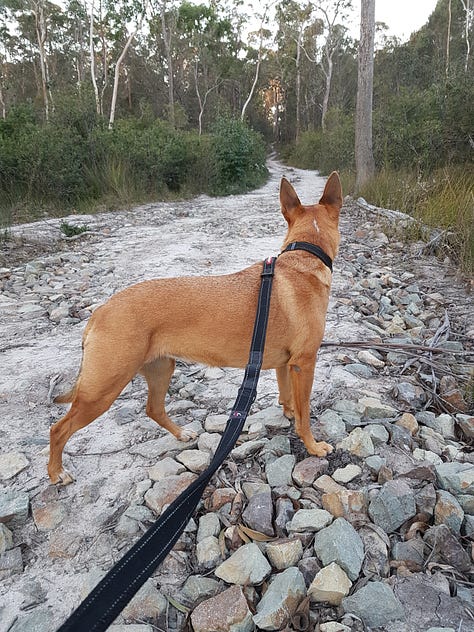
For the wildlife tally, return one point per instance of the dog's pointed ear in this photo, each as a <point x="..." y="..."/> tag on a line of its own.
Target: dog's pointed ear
<point x="288" y="199"/>
<point x="332" y="195"/>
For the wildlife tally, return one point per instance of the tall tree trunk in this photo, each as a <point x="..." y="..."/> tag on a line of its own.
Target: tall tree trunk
<point x="92" y="59"/>
<point x="298" y="85"/>
<point x="467" y="31"/>
<point x="327" y="91"/>
<point x="364" y="157"/>
<point x="40" y="27"/>
<point x="118" y="65"/>
<point x="167" y="35"/>
<point x="448" y="39"/>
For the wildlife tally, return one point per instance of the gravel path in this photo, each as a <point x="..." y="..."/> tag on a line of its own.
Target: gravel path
<point x="60" y="540"/>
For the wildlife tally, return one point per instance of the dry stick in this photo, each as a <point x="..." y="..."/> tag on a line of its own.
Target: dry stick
<point x="402" y="347"/>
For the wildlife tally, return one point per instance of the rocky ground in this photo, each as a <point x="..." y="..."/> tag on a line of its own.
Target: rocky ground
<point x="378" y="536"/>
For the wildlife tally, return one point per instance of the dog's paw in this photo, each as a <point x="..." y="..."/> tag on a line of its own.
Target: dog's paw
<point x="63" y="478"/>
<point x="187" y="435"/>
<point x="289" y="413"/>
<point x="319" y="448"/>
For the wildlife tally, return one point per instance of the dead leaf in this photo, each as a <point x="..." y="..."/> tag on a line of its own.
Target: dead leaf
<point x="254" y="535"/>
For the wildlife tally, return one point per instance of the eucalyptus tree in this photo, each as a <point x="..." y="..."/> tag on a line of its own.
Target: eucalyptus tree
<point x="364" y="157"/>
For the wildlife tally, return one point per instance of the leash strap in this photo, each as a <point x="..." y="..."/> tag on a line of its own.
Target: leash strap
<point x="102" y="606"/>
<point x="314" y="250"/>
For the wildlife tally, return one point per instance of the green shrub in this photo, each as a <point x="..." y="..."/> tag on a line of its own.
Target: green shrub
<point x="238" y="158"/>
<point x="332" y="150"/>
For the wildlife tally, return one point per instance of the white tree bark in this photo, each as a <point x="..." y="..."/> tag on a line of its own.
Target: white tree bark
<point x="41" y="34"/>
<point x="92" y="59"/>
<point x="467" y="30"/>
<point x="448" y="38"/>
<point x="118" y="65"/>
<point x="364" y="158"/>
<point x="167" y="35"/>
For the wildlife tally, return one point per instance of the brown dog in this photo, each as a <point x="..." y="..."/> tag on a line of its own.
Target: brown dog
<point x="210" y="320"/>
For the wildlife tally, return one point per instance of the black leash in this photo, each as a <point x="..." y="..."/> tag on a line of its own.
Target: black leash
<point x="102" y="606"/>
<point x="107" y="600"/>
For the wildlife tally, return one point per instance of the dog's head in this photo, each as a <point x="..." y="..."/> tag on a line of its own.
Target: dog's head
<point x="317" y="223"/>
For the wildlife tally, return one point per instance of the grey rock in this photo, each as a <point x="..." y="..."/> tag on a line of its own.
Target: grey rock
<point x="309" y="567"/>
<point x="467" y="503"/>
<point x="360" y="370"/>
<point x="155" y="448"/>
<point x="348" y="473"/>
<point x="358" y="442"/>
<point x="248" y="448"/>
<point x="466" y="423"/>
<point x="373" y="408"/>
<point x="457" y="478"/>
<point x="271" y="417"/>
<point x="134" y="627"/>
<point x="468" y="527"/>
<point x="11" y="562"/>
<point x="410" y="551"/>
<point x="279" y="471"/>
<point x="247" y="565"/>
<point x="165" y="491"/>
<point x="375" y="462"/>
<point x="164" y="468"/>
<point x="375" y="604"/>
<point x="126" y="413"/>
<point x="250" y="488"/>
<point x="278" y="446"/>
<point x="340" y="543"/>
<point x="393" y="505"/>
<point x="284" y="513"/>
<point x="442" y="424"/>
<point x="411" y="395"/>
<point x="308" y="470"/>
<point x="445" y="547"/>
<point x="448" y="511"/>
<point x="34" y="622"/>
<point x="208" y="552"/>
<point x="13" y="506"/>
<point x="6" y="538"/>
<point x="258" y="514"/>
<point x="147" y="605"/>
<point x="309" y="520"/>
<point x="215" y="423"/>
<point x="209" y="524"/>
<point x="208" y="442"/>
<point x="425" y="499"/>
<point x="227" y="612"/>
<point x="378" y="434"/>
<point x="197" y="588"/>
<point x="194" y="460"/>
<point x="281" y="600"/>
<point x="376" y="545"/>
<point x="331" y="426"/>
<point x="11" y="464"/>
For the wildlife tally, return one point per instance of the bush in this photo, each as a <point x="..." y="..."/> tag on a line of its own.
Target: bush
<point x="238" y="158"/>
<point x="76" y="161"/>
<point x="332" y="150"/>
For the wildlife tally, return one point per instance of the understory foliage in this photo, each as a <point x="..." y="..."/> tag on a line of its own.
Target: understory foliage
<point x="75" y="162"/>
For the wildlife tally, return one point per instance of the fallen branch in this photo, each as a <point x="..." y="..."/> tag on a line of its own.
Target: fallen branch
<point x="389" y="346"/>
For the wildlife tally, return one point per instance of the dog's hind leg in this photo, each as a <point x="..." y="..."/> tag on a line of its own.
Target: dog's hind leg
<point x="84" y="409"/>
<point x="301" y="375"/>
<point x="158" y="374"/>
<point x="285" y="398"/>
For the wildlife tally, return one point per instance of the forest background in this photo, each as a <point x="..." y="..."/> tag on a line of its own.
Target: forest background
<point x="107" y="103"/>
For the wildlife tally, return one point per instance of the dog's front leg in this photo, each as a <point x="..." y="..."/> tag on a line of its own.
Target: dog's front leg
<point x="301" y="375"/>
<point x="285" y="398"/>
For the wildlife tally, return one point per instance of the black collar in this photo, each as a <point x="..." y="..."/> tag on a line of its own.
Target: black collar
<point x="314" y="250"/>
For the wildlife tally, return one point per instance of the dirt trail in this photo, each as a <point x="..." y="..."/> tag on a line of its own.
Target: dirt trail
<point x="70" y="533"/>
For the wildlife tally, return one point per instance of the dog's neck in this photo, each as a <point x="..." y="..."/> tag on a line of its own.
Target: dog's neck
<point x="316" y="251"/>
